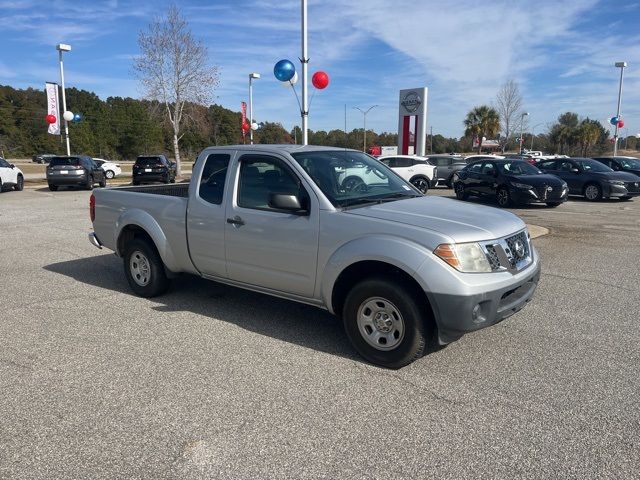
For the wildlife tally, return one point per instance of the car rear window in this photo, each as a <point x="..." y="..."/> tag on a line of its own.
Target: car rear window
<point x="148" y="161"/>
<point x="64" y="161"/>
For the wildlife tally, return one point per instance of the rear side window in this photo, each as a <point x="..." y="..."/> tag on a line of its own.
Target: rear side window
<point x="443" y="162"/>
<point x="64" y="161"/>
<point x="475" y="168"/>
<point x="145" y="161"/>
<point x="550" y="165"/>
<point x="402" y="162"/>
<point x="213" y="178"/>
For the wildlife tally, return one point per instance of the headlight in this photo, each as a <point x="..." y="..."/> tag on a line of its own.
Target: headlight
<point x="465" y="257"/>
<point x="521" y="185"/>
<point x="615" y="182"/>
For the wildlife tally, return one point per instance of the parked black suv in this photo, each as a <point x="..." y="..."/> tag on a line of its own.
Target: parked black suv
<point x="74" y="170"/>
<point x="592" y="179"/>
<point x="153" y="168"/>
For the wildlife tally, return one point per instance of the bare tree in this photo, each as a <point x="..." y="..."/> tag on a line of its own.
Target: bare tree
<point x="509" y="105"/>
<point x="174" y="70"/>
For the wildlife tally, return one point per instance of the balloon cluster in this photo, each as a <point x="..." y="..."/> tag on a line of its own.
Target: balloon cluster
<point x="68" y="116"/>
<point x="617" y="121"/>
<point x="286" y="73"/>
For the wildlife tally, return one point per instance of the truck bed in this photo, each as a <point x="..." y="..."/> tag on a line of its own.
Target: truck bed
<point x="171" y="190"/>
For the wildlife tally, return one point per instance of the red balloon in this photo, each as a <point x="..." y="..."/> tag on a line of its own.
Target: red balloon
<point x="320" y="80"/>
<point x="620" y="123"/>
<point x="50" y="118"/>
<point x="246" y="126"/>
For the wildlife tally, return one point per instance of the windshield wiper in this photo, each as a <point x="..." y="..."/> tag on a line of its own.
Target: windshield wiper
<point x="377" y="200"/>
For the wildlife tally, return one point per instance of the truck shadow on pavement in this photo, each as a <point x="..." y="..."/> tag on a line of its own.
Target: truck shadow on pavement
<point x="284" y="320"/>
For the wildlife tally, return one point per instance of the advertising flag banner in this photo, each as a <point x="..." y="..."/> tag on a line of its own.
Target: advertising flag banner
<point x="52" y="107"/>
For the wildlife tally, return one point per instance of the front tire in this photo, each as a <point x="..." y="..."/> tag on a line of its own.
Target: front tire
<point x="53" y="188"/>
<point x="421" y="183"/>
<point x="503" y="197"/>
<point x="384" y="322"/>
<point x="593" y="192"/>
<point x="20" y="184"/>
<point x="144" y="269"/>
<point x="103" y="182"/>
<point x="109" y="174"/>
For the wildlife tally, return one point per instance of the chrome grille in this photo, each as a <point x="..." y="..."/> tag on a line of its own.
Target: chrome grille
<point x="492" y="256"/>
<point x="512" y="253"/>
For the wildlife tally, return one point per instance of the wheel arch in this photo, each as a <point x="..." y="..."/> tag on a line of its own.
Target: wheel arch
<point x="139" y="224"/>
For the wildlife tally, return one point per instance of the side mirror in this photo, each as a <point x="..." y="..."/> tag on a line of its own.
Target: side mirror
<point x="12" y="165"/>
<point x="173" y="164"/>
<point x="285" y="202"/>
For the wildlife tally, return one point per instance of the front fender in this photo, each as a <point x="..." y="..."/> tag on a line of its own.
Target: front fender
<point x="399" y="252"/>
<point x="144" y="220"/>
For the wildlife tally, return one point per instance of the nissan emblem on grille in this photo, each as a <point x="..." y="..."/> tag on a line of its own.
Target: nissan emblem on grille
<point x="519" y="248"/>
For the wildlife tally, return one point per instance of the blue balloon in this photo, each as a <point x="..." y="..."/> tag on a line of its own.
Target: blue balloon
<point x="284" y="70"/>
<point x="77" y="117"/>
<point x="614" y="120"/>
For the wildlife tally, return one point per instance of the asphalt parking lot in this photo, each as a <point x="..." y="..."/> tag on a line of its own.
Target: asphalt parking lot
<point x="210" y="381"/>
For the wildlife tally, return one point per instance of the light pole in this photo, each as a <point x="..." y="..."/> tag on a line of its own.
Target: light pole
<point x="61" y="47"/>
<point x="252" y="76"/>
<point x="305" y="63"/>
<point x="621" y="66"/>
<point x="533" y="130"/>
<point x="364" y="114"/>
<point x="524" y="114"/>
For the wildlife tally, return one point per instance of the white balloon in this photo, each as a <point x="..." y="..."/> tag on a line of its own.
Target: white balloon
<point x="68" y="116"/>
<point x="292" y="82"/>
<point x="254" y="126"/>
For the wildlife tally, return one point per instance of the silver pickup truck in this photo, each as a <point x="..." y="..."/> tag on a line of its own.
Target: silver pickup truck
<point x="404" y="271"/>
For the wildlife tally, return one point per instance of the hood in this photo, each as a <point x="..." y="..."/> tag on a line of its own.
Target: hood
<point x="622" y="176"/>
<point x="537" y="180"/>
<point x="633" y="171"/>
<point x="461" y="221"/>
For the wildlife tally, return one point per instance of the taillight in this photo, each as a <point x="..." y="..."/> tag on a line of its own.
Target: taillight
<point x="92" y="207"/>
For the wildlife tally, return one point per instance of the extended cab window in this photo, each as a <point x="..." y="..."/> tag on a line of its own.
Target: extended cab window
<point x="262" y="176"/>
<point x="213" y="177"/>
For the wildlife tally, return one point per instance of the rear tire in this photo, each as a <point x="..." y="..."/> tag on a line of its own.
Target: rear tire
<point x="144" y="269"/>
<point x="421" y="183"/>
<point x="166" y="179"/>
<point x="109" y="174"/>
<point x="53" y="188"/>
<point x="89" y="184"/>
<point x="385" y="323"/>
<point x="461" y="194"/>
<point x="20" y="184"/>
<point x="103" y="182"/>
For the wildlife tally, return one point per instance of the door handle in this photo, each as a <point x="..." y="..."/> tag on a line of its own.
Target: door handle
<point x="235" y="221"/>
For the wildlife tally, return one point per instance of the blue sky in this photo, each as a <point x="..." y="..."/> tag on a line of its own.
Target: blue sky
<point x="560" y="53"/>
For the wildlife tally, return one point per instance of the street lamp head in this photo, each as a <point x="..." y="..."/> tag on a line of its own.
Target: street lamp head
<point x="63" y="47"/>
<point x="254" y="75"/>
<point x="621" y="64"/>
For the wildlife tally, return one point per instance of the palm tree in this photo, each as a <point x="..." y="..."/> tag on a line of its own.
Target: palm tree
<point x="481" y="122"/>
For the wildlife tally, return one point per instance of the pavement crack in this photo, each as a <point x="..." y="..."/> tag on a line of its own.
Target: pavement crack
<point x="586" y="280"/>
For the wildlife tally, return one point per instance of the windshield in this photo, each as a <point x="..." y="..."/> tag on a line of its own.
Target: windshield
<point x="592" y="166"/>
<point x="350" y="178"/>
<point x="630" y="163"/>
<point x="518" y="168"/>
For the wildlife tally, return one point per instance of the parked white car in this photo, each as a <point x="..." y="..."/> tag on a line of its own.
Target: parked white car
<point x="414" y="169"/>
<point x="10" y="176"/>
<point x="110" y="169"/>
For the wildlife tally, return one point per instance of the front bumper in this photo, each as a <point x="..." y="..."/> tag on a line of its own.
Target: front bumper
<point x="459" y="314"/>
<point x="617" y="191"/>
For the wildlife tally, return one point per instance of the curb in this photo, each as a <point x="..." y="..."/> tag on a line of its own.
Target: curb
<point x="537" y="231"/>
